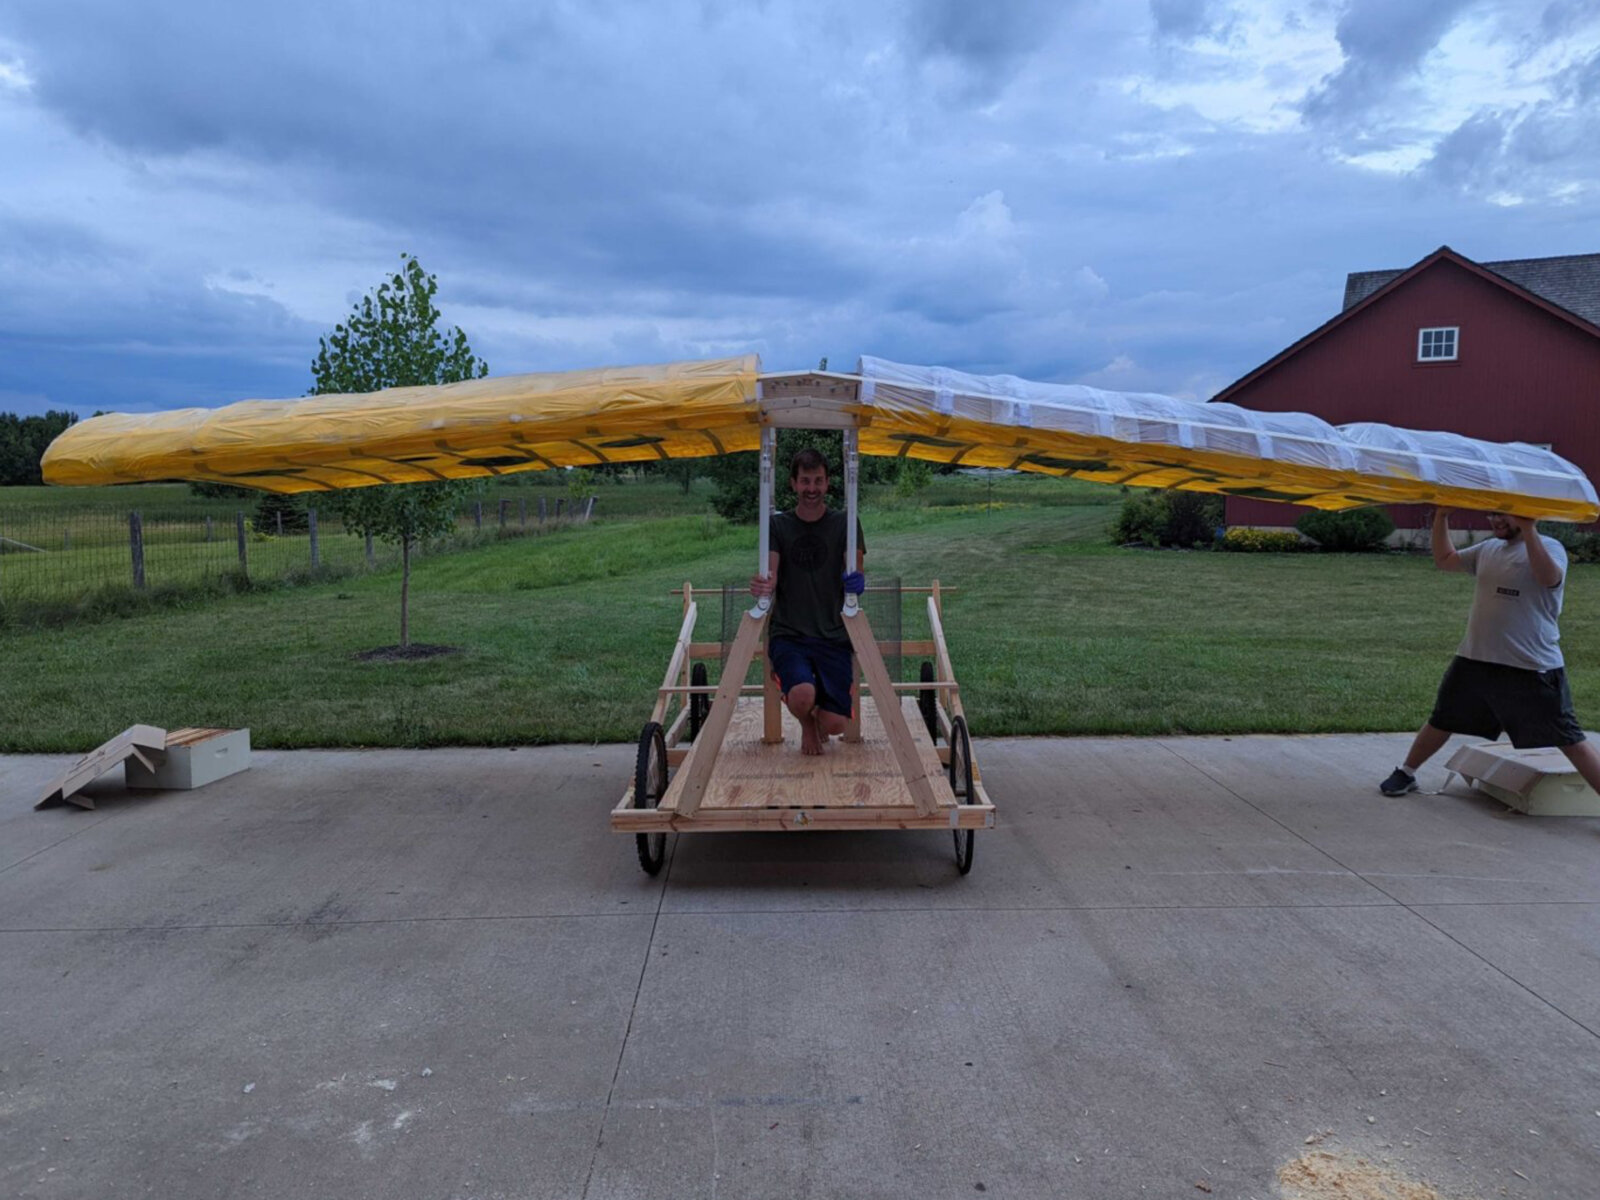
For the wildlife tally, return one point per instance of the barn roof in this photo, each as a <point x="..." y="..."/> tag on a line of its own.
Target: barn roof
<point x="1386" y="281"/>
<point x="1571" y="281"/>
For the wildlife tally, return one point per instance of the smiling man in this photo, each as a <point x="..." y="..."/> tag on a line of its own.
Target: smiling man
<point x="807" y="577"/>
<point x="1508" y="675"/>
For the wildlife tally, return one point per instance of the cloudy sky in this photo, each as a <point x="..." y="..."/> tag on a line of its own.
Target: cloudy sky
<point x="1153" y="196"/>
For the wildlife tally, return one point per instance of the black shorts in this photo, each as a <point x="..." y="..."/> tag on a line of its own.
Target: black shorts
<point x="1484" y="699"/>
<point x="827" y="666"/>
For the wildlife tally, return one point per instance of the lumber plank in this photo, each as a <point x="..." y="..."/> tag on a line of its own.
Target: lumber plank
<point x="688" y="788"/>
<point x="147" y="743"/>
<point x="901" y="741"/>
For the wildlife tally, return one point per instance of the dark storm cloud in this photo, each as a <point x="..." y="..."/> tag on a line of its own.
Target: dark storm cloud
<point x="1182" y="19"/>
<point x="977" y="185"/>
<point x="1384" y="42"/>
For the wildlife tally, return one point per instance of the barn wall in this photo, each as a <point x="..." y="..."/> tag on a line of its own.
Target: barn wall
<point x="1522" y="375"/>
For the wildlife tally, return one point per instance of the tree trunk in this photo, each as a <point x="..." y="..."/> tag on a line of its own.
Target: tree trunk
<point x="405" y="592"/>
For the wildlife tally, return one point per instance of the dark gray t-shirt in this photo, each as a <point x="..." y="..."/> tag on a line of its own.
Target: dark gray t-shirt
<point x="810" y="589"/>
<point x="1514" y="617"/>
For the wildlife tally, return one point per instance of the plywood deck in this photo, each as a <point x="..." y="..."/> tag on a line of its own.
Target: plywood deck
<point x="752" y="774"/>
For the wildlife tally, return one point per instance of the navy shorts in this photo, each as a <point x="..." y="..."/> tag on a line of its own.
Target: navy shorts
<point x="827" y="666"/>
<point x="1484" y="699"/>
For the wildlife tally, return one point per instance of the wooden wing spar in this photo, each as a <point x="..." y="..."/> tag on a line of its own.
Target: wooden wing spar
<point x="489" y="427"/>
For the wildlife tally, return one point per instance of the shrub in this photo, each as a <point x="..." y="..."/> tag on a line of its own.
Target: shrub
<point x="1352" y="531"/>
<point x="1582" y="545"/>
<point x="1255" y="541"/>
<point x="1168" y="518"/>
<point x="273" y="506"/>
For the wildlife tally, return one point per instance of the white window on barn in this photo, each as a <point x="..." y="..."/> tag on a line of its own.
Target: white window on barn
<point x="1438" y="344"/>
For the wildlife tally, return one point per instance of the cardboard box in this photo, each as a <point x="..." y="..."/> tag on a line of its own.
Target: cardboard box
<point x="194" y="758"/>
<point x="1541" y="783"/>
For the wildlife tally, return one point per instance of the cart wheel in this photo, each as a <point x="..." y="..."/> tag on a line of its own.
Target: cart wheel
<point x="699" y="705"/>
<point x="649" y="785"/>
<point x="928" y="702"/>
<point x="961" y="785"/>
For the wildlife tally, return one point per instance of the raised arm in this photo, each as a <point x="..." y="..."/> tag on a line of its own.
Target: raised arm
<point x="1545" y="569"/>
<point x="1444" y="554"/>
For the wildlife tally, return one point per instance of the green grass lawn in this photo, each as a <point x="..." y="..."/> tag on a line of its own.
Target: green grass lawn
<point x="564" y="637"/>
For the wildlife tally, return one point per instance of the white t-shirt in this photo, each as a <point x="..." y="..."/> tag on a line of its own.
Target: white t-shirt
<point x="1514" y="617"/>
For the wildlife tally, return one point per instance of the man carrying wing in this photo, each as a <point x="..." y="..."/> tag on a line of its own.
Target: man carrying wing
<point x="1508" y="674"/>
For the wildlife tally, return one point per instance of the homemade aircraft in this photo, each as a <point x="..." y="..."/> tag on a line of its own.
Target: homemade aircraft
<point x="731" y="772"/>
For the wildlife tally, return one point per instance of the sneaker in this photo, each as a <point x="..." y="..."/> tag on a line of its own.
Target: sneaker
<point x="1398" y="783"/>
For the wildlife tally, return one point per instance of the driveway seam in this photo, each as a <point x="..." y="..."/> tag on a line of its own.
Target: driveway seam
<point x="627" y="1032"/>
<point x="1441" y="931"/>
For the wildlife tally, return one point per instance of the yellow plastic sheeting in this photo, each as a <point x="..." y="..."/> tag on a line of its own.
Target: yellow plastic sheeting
<point x="466" y="430"/>
<point x="1158" y="441"/>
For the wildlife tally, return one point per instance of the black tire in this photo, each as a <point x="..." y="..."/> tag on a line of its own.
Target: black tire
<point x="928" y="702"/>
<point x="699" y="705"/>
<point x="649" y="785"/>
<point x="961" y="785"/>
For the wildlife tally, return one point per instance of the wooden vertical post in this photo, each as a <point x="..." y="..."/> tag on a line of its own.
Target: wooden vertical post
<point x="771" y="700"/>
<point x="244" y="561"/>
<point x="311" y="526"/>
<point x="208" y="527"/>
<point x="280" y="522"/>
<point x="505" y="511"/>
<point x="477" y="514"/>
<point x="136" y="547"/>
<point x="522" y="511"/>
<point x="852" y="730"/>
<point x="542" y="511"/>
<point x="560" y="504"/>
<point x="588" y="508"/>
<point x="371" y="557"/>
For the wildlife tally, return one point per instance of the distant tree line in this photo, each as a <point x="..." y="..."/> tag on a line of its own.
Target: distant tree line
<point x="22" y="445"/>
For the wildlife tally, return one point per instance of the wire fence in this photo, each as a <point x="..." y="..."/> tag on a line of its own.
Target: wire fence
<point x="55" y="556"/>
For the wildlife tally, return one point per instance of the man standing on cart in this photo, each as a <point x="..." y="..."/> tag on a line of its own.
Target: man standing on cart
<point x="807" y="578"/>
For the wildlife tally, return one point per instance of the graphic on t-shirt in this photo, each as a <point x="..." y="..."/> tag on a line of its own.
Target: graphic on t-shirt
<point x="807" y="551"/>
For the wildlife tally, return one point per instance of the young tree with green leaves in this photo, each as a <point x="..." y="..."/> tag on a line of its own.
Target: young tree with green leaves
<point x="393" y="339"/>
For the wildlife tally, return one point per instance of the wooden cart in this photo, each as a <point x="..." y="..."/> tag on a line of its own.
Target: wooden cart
<point x="726" y="764"/>
<point x="730" y="761"/>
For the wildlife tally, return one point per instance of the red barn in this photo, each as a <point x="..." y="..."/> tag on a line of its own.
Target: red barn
<point x="1503" y="351"/>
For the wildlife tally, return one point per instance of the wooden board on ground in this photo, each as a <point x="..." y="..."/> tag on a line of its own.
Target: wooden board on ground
<point x="1541" y="783"/>
<point x="195" y="757"/>
<point x="145" y="744"/>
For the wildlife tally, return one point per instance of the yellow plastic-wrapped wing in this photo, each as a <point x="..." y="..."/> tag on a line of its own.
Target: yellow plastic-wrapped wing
<point x="465" y="430"/>
<point x="1159" y="441"/>
<point x="689" y="409"/>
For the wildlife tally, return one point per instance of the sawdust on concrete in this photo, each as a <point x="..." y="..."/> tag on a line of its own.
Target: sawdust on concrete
<point x="1324" y="1175"/>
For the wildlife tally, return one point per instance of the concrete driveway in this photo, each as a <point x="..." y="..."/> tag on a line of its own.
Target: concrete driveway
<point x="1180" y="967"/>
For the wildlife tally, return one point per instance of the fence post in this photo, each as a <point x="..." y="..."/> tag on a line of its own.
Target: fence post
<point x="208" y="527"/>
<point x="522" y="510"/>
<point x="244" y="561"/>
<point x="505" y="508"/>
<point x="280" y="522"/>
<point x="136" y="545"/>
<point x="477" y="514"/>
<point x="588" y="508"/>
<point x="541" y="510"/>
<point x="560" y="504"/>
<point x="311" y="524"/>
<point x="370" y="557"/>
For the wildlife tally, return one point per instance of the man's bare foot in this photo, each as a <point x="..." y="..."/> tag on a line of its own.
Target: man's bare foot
<point x="810" y="743"/>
